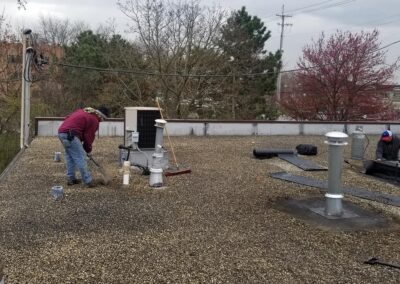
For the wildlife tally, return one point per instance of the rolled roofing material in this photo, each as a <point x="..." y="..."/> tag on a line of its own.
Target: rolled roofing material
<point x="270" y="153"/>
<point x="305" y="165"/>
<point x="289" y="156"/>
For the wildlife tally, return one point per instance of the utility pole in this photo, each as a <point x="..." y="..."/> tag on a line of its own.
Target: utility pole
<point x="26" y="92"/>
<point x="282" y="24"/>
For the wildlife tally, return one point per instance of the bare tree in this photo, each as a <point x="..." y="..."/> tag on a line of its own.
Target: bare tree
<point x="177" y="38"/>
<point x="21" y="4"/>
<point x="10" y="81"/>
<point x="56" y="31"/>
<point x="109" y="29"/>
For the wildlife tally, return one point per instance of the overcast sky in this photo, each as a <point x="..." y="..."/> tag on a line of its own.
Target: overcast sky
<point x="309" y="18"/>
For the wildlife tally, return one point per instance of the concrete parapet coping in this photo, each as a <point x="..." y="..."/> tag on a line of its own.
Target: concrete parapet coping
<point x="47" y="126"/>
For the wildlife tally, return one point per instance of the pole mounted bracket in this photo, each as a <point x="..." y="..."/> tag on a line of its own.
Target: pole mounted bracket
<point x="27" y="31"/>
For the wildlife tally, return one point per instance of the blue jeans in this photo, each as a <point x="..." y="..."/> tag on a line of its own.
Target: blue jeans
<point x="75" y="158"/>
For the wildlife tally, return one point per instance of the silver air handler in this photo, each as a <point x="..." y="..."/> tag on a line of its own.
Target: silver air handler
<point x="334" y="196"/>
<point x="156" y="171"/>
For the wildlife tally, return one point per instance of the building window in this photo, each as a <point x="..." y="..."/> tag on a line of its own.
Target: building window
<point x="15" y="59"/>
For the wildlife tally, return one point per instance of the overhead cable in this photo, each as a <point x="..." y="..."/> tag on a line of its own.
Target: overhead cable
<point x="309" y="6"/>
<point x="332" y="5"/>
<point x="154" y="73"/>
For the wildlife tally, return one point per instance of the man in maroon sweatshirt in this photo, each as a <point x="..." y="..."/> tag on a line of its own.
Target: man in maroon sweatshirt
<point x="77" y="134"/>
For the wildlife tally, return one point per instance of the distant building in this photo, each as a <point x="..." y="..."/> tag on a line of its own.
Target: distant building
<point x="392" y="92"/>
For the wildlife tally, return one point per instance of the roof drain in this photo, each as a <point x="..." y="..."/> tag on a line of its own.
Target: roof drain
<point x="156" y="171"/>
<point x="336" y="141"/>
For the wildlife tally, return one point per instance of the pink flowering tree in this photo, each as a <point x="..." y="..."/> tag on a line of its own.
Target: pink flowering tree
<point x="340" y="78"/>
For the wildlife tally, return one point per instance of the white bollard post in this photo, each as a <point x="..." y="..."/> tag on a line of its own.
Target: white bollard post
<point x="126" y="170"/>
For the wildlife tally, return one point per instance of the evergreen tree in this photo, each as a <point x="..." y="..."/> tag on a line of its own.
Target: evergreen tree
<point x="87" y="86"/>
<point x="242" y="42"/>
<point x="88" y="50"/>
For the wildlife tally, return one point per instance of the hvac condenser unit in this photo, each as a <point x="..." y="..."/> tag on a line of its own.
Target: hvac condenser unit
<point x="141" y="120"/>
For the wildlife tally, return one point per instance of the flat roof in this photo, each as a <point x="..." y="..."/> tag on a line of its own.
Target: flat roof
<point x="219" y="223"/>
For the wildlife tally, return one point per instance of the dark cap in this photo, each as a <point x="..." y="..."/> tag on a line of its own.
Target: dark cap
<point x="104" y="111"/>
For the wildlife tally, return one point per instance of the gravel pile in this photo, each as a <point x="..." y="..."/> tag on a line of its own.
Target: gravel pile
<point x="218" y="224"/>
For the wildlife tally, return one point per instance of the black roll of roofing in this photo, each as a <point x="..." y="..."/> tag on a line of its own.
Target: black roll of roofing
<point x="270" y="153"/>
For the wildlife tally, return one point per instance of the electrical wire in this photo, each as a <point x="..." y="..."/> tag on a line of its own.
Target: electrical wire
<point x="153" y="73"/>
<point x="378" y="21"/>
<point x="301" y="8"/>
<point x="390" y="44"/>
<point x="333" y="5"/>
<point x="27" y="68"/>
<point x="366" y="146"/>
<point x="28" y="77"/>
<point x="147" y="157"/>
<point x="10" y="80"/>
<point x="309" y="6"/>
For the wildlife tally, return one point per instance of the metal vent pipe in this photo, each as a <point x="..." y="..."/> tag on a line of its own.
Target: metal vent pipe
<point x="336" y="141"/>
<point x="160" y="124"/>
<point x="156" y="171"/>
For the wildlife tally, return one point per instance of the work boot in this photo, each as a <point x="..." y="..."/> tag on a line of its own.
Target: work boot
<point x="73" y="182"/>
<point x="92" y="183"/>
<point x="95" y="182"/>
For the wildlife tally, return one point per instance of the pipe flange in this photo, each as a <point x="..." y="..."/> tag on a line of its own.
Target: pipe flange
<point x="334" y="196"/>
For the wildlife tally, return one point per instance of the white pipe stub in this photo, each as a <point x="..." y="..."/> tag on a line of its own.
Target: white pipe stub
<point x="156" y="177"/>
<point x="336" y="138"/>
<point x="160" y="123"/>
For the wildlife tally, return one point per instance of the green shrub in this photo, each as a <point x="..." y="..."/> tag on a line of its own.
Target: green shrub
<point x="9" y="147"/>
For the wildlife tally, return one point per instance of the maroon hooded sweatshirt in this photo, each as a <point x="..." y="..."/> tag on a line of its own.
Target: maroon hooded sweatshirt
<point x="83" y="125"/>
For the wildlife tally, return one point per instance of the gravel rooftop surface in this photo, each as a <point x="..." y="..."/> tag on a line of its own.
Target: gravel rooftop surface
<point x="219" y="224"/>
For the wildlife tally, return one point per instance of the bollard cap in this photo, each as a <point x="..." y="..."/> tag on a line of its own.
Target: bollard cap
<point x="127" y="163"/>
<point x="57" y="187"/>
<point x="336" y="138"/>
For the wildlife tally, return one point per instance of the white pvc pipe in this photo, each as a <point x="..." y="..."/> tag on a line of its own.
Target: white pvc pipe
<point x="126" y="172"/>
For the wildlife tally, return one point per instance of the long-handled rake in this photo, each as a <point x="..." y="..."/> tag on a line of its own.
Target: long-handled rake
<point x="176" y="169"/>
<point x="103" y="172"/>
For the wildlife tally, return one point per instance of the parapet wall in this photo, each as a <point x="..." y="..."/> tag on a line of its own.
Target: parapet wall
<point x="47" y="126"/>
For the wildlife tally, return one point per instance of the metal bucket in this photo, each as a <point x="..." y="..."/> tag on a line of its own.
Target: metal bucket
<point x="156" y="177"/>
<point x="57" y="192"/>
<point x="57" y="156"/>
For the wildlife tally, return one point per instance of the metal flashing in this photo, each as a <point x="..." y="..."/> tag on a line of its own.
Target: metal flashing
<point x="357" y="192"/>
